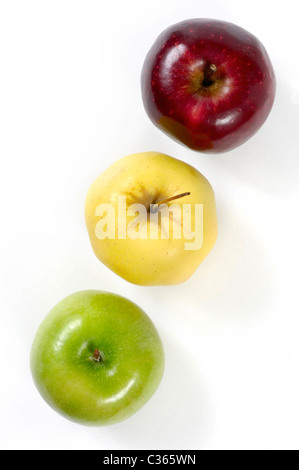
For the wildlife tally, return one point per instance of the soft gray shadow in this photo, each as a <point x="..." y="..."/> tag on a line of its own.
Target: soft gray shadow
<point x="269" y="160"/>
<point x="178" y="416"/>
<point x="235" y="283"/>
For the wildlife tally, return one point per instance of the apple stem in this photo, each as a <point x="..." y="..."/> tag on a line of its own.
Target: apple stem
<point x="172" y="198"/>
<point x="209" y="73"/>
<point x="97" y="356"/>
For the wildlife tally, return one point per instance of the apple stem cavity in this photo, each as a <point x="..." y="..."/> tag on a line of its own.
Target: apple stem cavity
<point x="209" y="74"/>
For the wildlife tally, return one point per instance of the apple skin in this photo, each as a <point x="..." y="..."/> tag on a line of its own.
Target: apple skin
<point x="146" y="178"/>
<point x="81" y="388"/>
<point x="208" y="113"/>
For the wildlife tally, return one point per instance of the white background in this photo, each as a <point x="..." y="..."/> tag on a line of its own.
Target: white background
<point x="70" y="106"/>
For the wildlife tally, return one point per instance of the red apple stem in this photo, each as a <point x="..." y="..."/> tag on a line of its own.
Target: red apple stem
<point x="209" y="73"/>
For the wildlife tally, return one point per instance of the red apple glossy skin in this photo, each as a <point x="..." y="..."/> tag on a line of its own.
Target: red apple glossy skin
<point x="208" y="84"/>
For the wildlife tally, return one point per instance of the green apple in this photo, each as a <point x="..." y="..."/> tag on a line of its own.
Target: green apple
<point x="97" y="358"/>
<point x="151" y="218"/>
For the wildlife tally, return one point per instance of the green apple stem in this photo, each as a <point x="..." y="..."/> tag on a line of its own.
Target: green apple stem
<point x="97" y="356"/>
<point x="209" y="73"/>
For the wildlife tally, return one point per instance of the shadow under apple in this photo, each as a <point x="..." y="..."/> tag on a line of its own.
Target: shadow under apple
<point x="269" y="160"/>
<point x="178" y="416"/>
<point x="234" y="284"/>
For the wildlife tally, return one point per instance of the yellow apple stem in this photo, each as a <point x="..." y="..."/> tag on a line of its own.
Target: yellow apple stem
<point x="155" y="207"/>
<point x="172" y="198"/>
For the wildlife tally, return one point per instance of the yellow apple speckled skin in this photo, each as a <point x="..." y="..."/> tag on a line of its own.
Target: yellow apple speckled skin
<point x="148" y="178"/>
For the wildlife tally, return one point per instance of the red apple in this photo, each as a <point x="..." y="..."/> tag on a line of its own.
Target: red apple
<point x="208" y="84"/>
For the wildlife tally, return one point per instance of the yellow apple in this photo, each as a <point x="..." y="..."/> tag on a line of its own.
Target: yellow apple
<point x="151" y="218"/>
